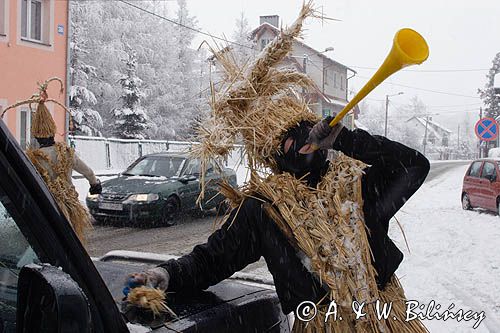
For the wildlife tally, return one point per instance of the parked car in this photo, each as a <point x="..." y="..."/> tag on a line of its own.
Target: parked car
<point x="481" y="185"/>
<point x="155" y="188"/>
<point x="48" y="282"/>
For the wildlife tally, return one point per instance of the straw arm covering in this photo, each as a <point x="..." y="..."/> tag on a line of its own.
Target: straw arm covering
<point x="394" y="174"/>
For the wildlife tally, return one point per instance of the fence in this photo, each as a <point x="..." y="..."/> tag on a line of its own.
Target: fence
<point x="117" y="154"/>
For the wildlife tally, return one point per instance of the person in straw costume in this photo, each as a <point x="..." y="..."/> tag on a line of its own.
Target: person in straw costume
<point x="321" y="226"/>
<point x="55" y="162"/>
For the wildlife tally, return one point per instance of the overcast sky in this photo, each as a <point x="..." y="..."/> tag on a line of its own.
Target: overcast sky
<point x="462" y="36"/>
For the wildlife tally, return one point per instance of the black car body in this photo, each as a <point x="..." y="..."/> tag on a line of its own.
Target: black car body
<point x="48" y="283"/>
<point x="155" y="187"/>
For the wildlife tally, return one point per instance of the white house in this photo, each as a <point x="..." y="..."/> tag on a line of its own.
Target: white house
<point x="437" y="134"/>
<point x="330" y="76"/>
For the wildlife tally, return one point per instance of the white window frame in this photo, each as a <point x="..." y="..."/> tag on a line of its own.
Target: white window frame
<point x="342" y="85"/>
<point x="335" y="79"/>
<point x="326" y="76"/>
<point x="4" y="20"/>
<point x="28" y="125"/>
<point x="46" y="25"/>
<point x="3" y="106"/>
<point x="28" y="20"/>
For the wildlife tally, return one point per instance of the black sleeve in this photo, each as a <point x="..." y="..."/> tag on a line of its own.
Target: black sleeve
<point x="395" y="173"/>
<point x="228" y="250"/>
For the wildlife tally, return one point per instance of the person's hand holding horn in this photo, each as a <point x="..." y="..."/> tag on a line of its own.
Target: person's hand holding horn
<point x="322" y="136"/>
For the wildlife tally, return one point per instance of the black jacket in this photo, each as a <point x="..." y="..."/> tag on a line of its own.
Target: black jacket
<point x="395" y="173"/>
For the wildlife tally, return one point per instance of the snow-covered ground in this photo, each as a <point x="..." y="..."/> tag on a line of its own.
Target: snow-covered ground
<point x="454" y="254"/>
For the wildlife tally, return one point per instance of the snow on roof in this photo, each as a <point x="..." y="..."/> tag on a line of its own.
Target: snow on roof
<point x="433" y="124"/>
<point x="267" y="25"/>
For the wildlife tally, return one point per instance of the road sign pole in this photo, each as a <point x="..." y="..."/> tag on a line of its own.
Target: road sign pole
<point x="480" y="143"/>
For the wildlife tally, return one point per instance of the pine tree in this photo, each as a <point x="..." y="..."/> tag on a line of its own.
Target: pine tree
<point x="85" y="120"/>
<point x="490" y="95"/>
<point x="131" y="121"/>
<point x="244" y="49"/>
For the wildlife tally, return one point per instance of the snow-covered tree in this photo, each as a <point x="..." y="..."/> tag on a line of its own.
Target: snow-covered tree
<point x="85" y="119"/>
<point x="489" y="95"/>
<point x="131" y="121"/>
<point x="172" y="72"/>
<point x="244" y="47"/>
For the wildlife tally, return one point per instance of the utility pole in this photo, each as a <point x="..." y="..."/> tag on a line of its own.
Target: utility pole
<point x="425" y="134"/>
<point x="480" y="141"/>
<point x="304" y="66"/>
<point x="458" y="140"/>
<point x="386" y="113"/>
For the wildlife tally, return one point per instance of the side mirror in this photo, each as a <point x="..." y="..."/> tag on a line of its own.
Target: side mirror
<point x="492" y="178"/>
<point x="48" y="300"/>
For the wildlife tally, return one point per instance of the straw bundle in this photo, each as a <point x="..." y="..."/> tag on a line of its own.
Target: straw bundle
<point x="326" y="223"/>
<point x="151" y="299"/>
<point x="43" y="125"/>
<point x="55" y="176"/>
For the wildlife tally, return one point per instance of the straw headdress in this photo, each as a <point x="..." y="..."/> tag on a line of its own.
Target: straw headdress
<point x="43" y="125"/>
<point x="258" y="102"/>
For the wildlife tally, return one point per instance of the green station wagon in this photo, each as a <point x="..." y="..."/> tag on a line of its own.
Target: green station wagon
<point x="155" y="188"/>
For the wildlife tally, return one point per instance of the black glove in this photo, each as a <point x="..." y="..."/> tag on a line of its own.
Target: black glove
<point x="324" y="136"/>
<point x="157" y="277"/>
<point x="96" y="188"/>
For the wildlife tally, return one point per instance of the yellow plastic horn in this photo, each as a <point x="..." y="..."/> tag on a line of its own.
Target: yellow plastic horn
<point x="409" y="48"/>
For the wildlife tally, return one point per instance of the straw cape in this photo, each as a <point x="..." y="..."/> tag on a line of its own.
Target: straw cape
<point x="55" y="174"/>
<point x="258" y="104"/>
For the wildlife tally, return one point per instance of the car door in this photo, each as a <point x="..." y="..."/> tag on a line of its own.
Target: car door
<point x="472" y="183"/>
<point x="33" y="230"/>
<point x="488" y="193"/>
<point x="191" y="188"/>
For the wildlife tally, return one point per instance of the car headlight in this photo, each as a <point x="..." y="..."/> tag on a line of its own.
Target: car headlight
<point x="144" y="197"/>
<point x="93" y="197"/>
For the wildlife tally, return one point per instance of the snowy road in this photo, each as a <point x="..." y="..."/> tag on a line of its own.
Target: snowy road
<point x="454" y="254"/>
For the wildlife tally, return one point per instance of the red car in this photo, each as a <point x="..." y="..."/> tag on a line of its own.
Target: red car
<point x="481" y="187"/>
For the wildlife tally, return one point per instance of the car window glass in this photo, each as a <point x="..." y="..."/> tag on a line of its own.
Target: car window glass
<point x="160" y="166"/>
<point x="15" y="252"/>
<point x="193" y="167"/>
<point x="488" y="170"/>
<point x="474" y="169"/>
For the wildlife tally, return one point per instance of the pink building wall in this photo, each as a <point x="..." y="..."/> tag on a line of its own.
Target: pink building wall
<point x="24" y="63"/>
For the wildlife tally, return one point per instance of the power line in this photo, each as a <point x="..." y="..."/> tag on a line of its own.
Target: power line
<point x="431" y="70"/>
<point x="183" y="25"/>
<point x="423" y="89"/>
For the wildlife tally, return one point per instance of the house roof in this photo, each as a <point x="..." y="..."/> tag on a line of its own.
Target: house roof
<point x="266" y="26"/>
<point x="434" y="126"/>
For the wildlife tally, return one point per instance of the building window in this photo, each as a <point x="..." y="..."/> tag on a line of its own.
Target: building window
<point x="335" y="80"/>
<point x="263" y="43"/>
<point x="3" y="17"/>
<point x="325" y="76"/>
<point x="35" y="20"/>
<point x="24" y="128"/>
<point x="342" y="87"/>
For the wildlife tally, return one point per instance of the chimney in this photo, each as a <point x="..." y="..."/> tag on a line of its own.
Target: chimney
<point x="271" y="19"/>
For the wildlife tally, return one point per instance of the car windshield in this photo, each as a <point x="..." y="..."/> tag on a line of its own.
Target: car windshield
<point x="156" y="166"/>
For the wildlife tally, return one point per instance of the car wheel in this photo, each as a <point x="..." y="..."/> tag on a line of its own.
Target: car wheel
<point x="498" y="207"/>
<point x="170" y="211"/>
<point x="466" y="202"/>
